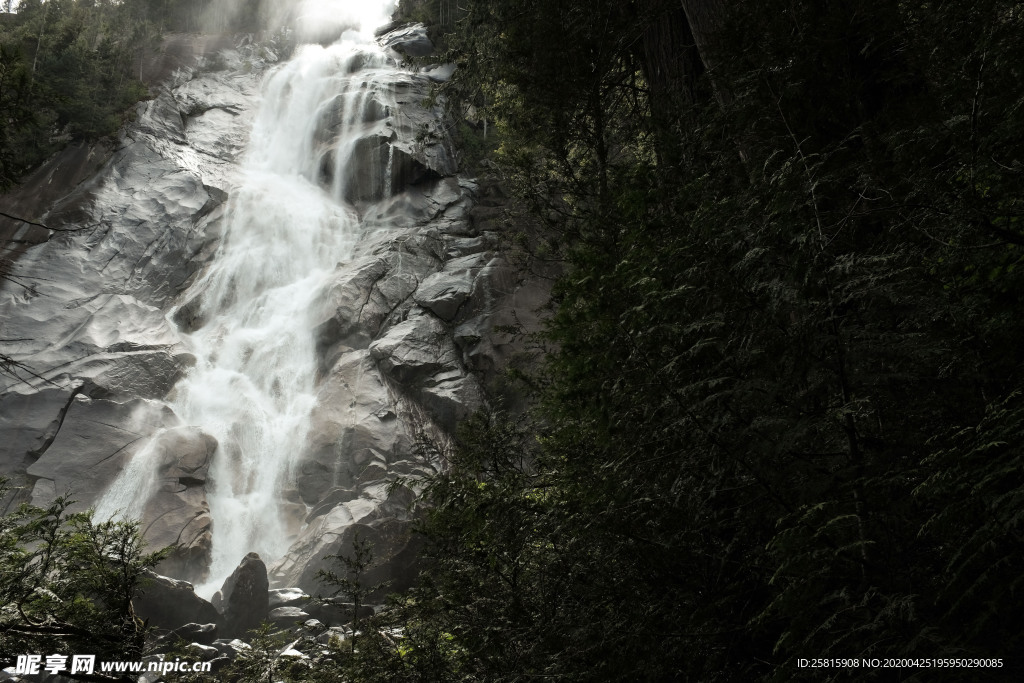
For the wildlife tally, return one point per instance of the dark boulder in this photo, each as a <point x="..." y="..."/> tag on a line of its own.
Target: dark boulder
<point x="170" y="604"/>
<point x="244" y="599"/>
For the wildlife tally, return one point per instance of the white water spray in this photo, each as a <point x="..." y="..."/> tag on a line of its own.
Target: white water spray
<point x="253" y="386"/>
<point x="134" y="486"/>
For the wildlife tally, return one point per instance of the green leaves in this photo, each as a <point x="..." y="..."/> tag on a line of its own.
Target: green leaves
<point x="67" y="583"/>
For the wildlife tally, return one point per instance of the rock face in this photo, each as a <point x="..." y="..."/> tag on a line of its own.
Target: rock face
<point x="99" y="314"/>
<point x="95" y="439"/>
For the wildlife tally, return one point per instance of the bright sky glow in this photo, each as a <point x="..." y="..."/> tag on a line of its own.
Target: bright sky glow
<point x="316" y="17"/>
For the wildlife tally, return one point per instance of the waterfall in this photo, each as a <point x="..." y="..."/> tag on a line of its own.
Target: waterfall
<point x="288" y="224"/>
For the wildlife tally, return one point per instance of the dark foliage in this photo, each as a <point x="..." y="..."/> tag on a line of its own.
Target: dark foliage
<point x="782" y="417"/>
<point x="67" y="584"/>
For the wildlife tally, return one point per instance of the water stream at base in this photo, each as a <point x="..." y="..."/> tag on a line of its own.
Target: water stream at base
<point x="253" y="385"/>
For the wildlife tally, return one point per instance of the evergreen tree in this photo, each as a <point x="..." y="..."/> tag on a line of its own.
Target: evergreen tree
<point x="67" y="584"/>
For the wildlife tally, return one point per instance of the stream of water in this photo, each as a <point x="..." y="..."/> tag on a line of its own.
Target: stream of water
<point x="286" y="229"/>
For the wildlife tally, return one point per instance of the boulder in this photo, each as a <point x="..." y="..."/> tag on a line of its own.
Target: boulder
<point x="243" y="597"/>
<point x="410" y="40"/>
<point x="287" y="597"/>
<point x="337" y="634"/>
<point x="170" y="604"/>
<point x="204" y="634"/>
<point x="314" y="626"/>
<point x="287" y="617"/>
<point x="202" y="653"/>
<point x="230" y="647"/>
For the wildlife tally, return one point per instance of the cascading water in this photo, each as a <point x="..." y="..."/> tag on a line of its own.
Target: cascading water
<point x="286" y="228"/>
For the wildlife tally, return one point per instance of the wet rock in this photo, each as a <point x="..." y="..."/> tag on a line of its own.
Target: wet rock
<point x="132" y="235"/>
<point x="130" y="374"/>
<point x="28" y="425"/>
<point x="414" y="350"/>
<point x="445" y="292"/>
<point x="353" y="421"/>
<point x="401" y="135"/>
<point x="441" y="73"/>
<point x="420" y="355"/>
<point x="366" y="174"/>
<point x="82" y="339"/>
<point x="210" y="91"/>
<point x="371" y="292"/>
<point x="387" y="528"/>
<point x="501" y="299"/>
<point x="161" y="117"/>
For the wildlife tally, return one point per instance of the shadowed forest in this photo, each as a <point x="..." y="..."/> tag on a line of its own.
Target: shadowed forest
<point x="779" y="412"/>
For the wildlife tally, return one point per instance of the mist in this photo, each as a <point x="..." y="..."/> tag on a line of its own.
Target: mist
<point x="313" y="20"/>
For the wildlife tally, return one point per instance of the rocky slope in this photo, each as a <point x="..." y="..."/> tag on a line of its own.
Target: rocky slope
<point x="99" y="313"/>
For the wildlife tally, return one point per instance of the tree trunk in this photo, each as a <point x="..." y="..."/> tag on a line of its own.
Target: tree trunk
<point x="706" y="18"/>
<point x="669" y="57"/>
